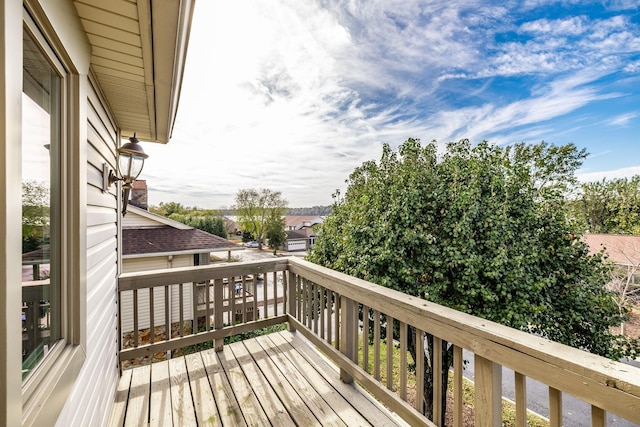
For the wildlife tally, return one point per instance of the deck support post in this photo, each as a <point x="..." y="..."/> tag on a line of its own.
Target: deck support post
<point x="292" y="299"/>
<point x="347" y="334"/>
<point x="218" y="314"/>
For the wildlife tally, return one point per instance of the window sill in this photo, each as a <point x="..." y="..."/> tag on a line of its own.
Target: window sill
<point x="45" y="393"/>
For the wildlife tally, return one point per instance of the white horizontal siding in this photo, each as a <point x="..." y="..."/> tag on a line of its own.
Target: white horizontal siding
<point x="92" y="397"/>
<point x="134" y="220"/>
<point x="126" y="299"/>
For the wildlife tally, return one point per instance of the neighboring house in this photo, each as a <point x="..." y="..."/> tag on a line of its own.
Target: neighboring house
<point x="297" y="222"/>
<point x="300" y="233"/>
<point x="76" y="79"/>
<point x="621" y="249"/>
<point x="152" y="242"/>
<point x="232" y="227"/>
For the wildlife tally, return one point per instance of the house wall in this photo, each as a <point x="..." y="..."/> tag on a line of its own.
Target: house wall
<point x="296" y="245"/>
<point x="92" y="396"/>
<point x="155" y="263"/>
<point x="133" y="220"/>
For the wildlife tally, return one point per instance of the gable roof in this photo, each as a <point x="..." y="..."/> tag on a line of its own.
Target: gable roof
<point x="170" y="241"/>
<point x="163" y="236"/>
<point x="621" y="249"/>
<point x="294" y="220"/>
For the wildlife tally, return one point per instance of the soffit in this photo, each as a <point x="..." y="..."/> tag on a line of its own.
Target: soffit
<point x="138" y="49"/>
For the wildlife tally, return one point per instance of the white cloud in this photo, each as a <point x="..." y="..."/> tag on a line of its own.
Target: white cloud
<point x="609" y="174"/>
<point x="294" y="95"/>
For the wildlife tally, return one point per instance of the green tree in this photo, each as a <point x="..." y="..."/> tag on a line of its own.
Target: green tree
<point x="35" y="214"/>
<point x="209" y="220"/>
<point x="275" y="233"/>
<point x="482" y="230"/>
<point x="209" y="223"/>
<point x="168" y="209"/>
<point x="255" y="207"/>
<point x="611" y="206"/>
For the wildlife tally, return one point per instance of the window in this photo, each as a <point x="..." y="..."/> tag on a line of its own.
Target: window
<point x="41" y="136"/>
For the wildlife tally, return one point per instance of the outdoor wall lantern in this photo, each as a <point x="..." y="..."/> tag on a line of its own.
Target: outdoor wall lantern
<point x="130" y="162"/>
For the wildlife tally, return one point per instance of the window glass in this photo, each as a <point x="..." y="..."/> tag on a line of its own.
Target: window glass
<point x="41" y="302"/>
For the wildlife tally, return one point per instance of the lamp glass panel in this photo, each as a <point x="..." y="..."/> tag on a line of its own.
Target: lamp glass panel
<point x="136" y="166"/>
<point x="130" y="166"/>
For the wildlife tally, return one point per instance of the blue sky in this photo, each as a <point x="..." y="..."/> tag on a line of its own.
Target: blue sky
<point x="293" y="95"/>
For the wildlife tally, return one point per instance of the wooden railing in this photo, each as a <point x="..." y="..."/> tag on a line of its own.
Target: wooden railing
<point x="342" y="315"/>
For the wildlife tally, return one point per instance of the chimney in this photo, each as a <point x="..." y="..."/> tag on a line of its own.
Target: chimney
<point x="139" y="194"/>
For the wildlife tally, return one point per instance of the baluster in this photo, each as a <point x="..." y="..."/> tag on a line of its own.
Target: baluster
<point x="389" y="352"/>
<point x="597" y="417"/>
<point x="488" y="392"/>
<point x="135" y="318"/>
<point x="152" y="324"/>
<point x="521" y="399"/>
<point x="403" y="361"/>
<point x="376" y="344"/>
<point x="181" y="302"/>
<point x="437" y="380"/>
<point x="292" y="300"/>
<point x="365" y="338"/>
<point x="167" y="313"/>
<point x="458" y="371"/>
<point x="265" y="296"/>
<point x="555" y="407"/>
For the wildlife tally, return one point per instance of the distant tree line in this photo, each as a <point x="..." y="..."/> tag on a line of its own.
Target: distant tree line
<point x="608" y="206"/>
<point x="209" y="220"/>
<point x="315" y="210"/>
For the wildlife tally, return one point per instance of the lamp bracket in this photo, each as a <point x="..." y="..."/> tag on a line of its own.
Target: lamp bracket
<point x="108" y="177"/>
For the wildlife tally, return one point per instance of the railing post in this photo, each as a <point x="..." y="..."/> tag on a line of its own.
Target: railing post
<point x="347" y="334"/>
<point x="218" y="314"/>
<point x="292" y="299"/>
<point x="488" y="393"/>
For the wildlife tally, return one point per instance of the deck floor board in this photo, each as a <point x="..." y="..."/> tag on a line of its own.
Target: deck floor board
<point x="276" y="379"/>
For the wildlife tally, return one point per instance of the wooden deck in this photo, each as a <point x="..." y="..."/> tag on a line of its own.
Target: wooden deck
<point x="276" y="379"/>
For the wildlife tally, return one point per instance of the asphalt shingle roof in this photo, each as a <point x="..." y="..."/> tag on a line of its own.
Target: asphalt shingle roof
<point x="164" y="238"/>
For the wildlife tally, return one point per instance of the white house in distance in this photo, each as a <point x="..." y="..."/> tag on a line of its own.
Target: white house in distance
<point x="77" y="78"/>
<point x="300" y="233"/>
<point x="153" y="242"/>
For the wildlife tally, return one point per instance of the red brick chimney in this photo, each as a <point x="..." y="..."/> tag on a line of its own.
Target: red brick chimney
<point x="139" y="194"/>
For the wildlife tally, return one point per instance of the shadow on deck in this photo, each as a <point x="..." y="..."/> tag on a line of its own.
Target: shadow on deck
<point x="278" y="379"/>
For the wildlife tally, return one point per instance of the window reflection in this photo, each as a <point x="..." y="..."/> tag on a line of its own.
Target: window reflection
<point x="40" y="203"/>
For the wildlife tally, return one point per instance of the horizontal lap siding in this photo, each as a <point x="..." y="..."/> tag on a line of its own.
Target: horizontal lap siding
<point x="93" y="394"/>
<point x="155" y="263"/>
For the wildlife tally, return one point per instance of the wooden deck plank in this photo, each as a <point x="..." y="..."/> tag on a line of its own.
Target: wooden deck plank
<point x="181" y="401"/>
<point x="203" y="400"/>
<point x="277" y="379"/>
<point x="274" y="409"/>
<point x="228" y="408"/>
<point x="319" y="396"/>
<point x="374" y="413"/>
<point x="251" y="409"/>
<point x="340" y="396"/>
<point x="138" y="406"/>
<point x="292" y="401"/>
<point x="122" y="396"/>
<point x="160" y="399"/>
